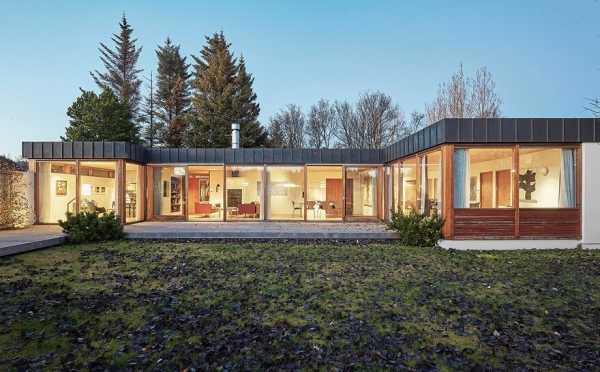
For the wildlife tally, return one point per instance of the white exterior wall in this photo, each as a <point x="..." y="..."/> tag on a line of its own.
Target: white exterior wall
<point x="590" y="192"/>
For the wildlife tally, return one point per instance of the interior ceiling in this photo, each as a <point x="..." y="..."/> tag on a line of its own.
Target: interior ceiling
<point x="481" y="155"/>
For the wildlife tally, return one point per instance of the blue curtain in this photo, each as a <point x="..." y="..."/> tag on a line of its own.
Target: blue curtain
<point x="460" y="166"/>
<point x="567" y="184"/>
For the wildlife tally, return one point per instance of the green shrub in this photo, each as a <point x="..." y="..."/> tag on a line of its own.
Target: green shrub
<point x="417" y="229"/>
<point x="92" y="227"/>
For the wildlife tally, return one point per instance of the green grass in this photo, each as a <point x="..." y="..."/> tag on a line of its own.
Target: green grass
<point x="168" y="306"/>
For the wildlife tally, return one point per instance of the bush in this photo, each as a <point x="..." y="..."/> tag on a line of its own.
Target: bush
<point x="417" y="229"/>
<point x="92" y="227"/>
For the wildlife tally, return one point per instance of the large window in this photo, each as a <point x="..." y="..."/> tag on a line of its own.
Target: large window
<point x="169" y="188"/>
<point x="547" y="177"/>
<point x="405" y="186"/>
<point x="431" y="184"/>
<point x="324" y="193"/>
<point x="483" y="178"/>
<point x="361" y="192"/>
<point x="97" y="186"/>
<point x="134" y="186"/>
<point x="205" y="193"/>
<point x="57" y="190"/>
<point x="285" y="192"/>
<point x="243" y="192"/>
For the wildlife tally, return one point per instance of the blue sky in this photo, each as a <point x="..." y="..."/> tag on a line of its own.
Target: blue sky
<point x="544" y="54"/>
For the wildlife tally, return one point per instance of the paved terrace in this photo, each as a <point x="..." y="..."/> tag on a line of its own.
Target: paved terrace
<point x="260" y="230"/>
<point x="43" y="236"/>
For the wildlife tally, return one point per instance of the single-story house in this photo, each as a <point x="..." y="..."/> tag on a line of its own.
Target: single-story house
<point x="509" y="179"/>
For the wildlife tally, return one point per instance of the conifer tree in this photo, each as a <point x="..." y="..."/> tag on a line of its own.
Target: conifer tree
<point x="173" y="93"/>
<point x="252" y="134"/>
<point x="223" y="95"/>
<point x="152" y="131"/>
<point x="100" y="118"/>
<point x="121" y="74"/>
<point x="215" y="94"/>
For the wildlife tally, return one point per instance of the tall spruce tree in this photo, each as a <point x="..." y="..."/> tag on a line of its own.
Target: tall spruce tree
<point x="223" y="95"/>
<point x="252" y="134"/>
<point x="152" y="131"/>
<point x="173" y="94"/>
<point x="121" y="74"/>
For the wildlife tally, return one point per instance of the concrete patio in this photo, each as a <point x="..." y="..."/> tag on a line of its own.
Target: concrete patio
<point x="260" y="230"/>
<point x="29" y="239"/>
<point x="44" y="236"/>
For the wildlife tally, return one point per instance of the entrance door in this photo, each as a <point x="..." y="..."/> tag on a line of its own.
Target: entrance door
<point x="333" y="196"/>
<point x="486" y="185"/>
<point x="349" y="196"/>
<point x="503" y="187"/>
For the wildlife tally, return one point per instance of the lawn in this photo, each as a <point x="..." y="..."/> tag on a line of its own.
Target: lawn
<point x="169" y="306"/>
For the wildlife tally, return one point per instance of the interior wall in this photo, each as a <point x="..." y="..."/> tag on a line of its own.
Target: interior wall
<point x="486" y="166"/>
<point x="285" y="185"/>
<point x="248" y="182"/>
<point x="547" y="187"/>
<point x="53" y="207"/>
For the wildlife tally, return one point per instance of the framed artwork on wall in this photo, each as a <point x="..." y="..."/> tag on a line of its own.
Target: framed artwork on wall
<point x="61" y="187"/>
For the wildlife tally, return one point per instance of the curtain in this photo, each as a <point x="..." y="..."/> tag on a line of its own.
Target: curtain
<point x="567" y="179"/>
<point x="461" y="172"/>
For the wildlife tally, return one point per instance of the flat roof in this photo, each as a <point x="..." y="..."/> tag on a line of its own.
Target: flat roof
<point x="457" y="131"/>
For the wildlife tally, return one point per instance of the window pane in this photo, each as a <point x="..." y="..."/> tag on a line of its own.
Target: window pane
<point x="244" y="189"/>
<point x="325" y="190"/>
<point x="485" y="177"/>
<point x="433" y="183"/>
<point x="546" y="178"/>
<point x="205" y="193"/>
<point x="169" y="183"/>
<point x="57" y="190"/>
<point x="361" y="191"/>
<point x="285" y="190"/>
<point x="407" y="181"/>
<point x="134" y="184"/>
<point x="97" y="187"/>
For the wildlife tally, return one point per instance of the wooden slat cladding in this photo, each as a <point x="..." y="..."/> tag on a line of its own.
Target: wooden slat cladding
<point x="484" y="223"/>
<point x="550" y="223"/>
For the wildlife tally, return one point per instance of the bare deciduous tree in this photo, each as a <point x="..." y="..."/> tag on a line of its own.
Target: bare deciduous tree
<point x="321" y="125"/>
<point x="287" y="128"/>
<point x="594" y="107"/>
<point x="346" y="124"/>
<point x="380" y="121"/>
<point x="415" y="123"/>
<point x="462" y="97"/>
<point x="484" y="102"/>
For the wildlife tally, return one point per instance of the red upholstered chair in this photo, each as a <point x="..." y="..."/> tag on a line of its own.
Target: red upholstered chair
<point x="203" y="208"/>
<point x="248" y="209"/>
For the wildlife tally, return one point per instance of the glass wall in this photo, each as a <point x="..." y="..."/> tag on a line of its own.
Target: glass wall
<point x="361" y="192"/>
<point x="547" y="177"/>
<point x="169" y="188"/>
<point x="432" y="183"/>
<point x="134" y="186"/>
<point x="243" y="192"/>
<point x="205" y="193"/>
<point x="407" y="186"/>
<point x="285" y="192"/>
<point x="97" y="186"/>
<point x="57" y="190"/>
<point x="483" y="178"/>
<point x="324" y="193"/>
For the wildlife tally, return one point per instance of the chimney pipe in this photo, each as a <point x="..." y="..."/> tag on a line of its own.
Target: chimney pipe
<point x="235" y="136"/>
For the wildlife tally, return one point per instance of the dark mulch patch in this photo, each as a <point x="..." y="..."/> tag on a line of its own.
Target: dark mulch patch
<point x="246" y="305"/>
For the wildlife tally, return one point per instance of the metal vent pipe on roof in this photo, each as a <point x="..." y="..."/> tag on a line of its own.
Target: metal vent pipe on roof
<point x="235" y="136"/>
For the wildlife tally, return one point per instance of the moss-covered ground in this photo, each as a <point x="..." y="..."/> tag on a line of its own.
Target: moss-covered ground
<point x="230" y="306"/>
